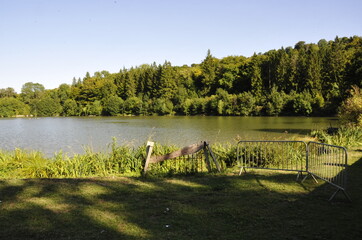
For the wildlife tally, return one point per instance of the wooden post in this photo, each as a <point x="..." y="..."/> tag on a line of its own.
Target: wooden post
<point x="213" y="157"/>
<point x="149" y="149"/>
<point x="207" y="160"/>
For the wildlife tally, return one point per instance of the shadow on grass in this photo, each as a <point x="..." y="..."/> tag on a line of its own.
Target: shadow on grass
<point x="252" y="206"/>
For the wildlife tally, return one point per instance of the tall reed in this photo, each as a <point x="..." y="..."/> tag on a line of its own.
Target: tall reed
<point x="117" y="161"/>
<point x="347" y="136"/>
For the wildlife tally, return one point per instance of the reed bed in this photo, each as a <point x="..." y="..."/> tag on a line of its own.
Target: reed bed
<point x="115" y="161"/>
<point x="346" y="136"/>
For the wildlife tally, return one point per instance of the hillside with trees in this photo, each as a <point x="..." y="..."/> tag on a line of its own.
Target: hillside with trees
<point x="307" y="79"/>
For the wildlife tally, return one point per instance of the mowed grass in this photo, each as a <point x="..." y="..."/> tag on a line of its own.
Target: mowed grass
<point x="256" y="205"/>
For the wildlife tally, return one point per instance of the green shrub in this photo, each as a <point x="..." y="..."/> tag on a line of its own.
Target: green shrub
<point x="346" y="136"/>
<point x="112" y="105"/>
<point x="351" y="108"/>
<point x="275" y="102"/>
<point x="9" y="107"/>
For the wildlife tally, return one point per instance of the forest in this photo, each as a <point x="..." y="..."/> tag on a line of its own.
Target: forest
<point x="304" y="80"/>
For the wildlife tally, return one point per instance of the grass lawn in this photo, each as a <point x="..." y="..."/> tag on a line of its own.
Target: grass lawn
<point x="256" y="205"/>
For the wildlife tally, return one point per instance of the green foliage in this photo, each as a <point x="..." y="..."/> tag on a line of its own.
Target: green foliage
<point x="167" y="82"/>
<point x="163" y="107"/>
<point x="95" y="108"/>
<point x="45" y="106"/>
<point x="304" y="80"/>
<point x="31" y="91"/>
<point x="121" y="160"/>
<point x="346" y="136"/>
<point x="226" y="154"/>
<point x="133" y="106"/>
<point x="351" y="109"/>
<point x="301" y="103"/>
<point x="275" y="102"/>
<point x="7" y="92"/>
<point x="273" y="155"/>
<point x="208" y="77"/>
<point x="113" y="105"/>
<point x="64" y="93"/>
<point x="197" y="106"/>
<point x="247" y="104"/>
<point x="117" y="161"/>
<point x="255" y="75"/>
<point x="70" y="108"/>
<point x="10" y="107"/>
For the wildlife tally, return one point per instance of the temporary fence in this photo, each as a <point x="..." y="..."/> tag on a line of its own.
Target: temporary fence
<point x="273" y="155"/>
<point x="327" y="162"/>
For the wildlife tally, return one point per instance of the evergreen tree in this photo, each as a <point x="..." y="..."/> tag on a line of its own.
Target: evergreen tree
<point x="255" y="76"/>
<point x="167" y="82"/>
<point x="209" y="72"/>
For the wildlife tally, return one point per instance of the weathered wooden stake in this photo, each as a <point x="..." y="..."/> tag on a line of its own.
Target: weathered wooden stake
<point x="207" y="146"/>
<point x="149" y="149"/>
<point x="213" y="157"/>
<point x="207" y="160"/>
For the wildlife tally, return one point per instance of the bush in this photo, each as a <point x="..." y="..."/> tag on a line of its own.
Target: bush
<point x="95" y="108"/>
<point x="301" y="103"/>
<point x="351" y="108"/>
<point x="10" y="107"/>
<point x="133" y="106"/>
<point x="163" y="107"/>
<point x="46" y="106"/>
<point x="70" y="108"/>
<point x="112" y="105"/>
<point x="246" y="104"/>
<point x="275" y="102"/>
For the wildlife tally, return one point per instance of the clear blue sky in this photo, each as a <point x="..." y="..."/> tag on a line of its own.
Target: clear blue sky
<point x="52" y="41"/>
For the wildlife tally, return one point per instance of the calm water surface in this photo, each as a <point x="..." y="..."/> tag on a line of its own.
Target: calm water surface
<point x="71" y="135"/>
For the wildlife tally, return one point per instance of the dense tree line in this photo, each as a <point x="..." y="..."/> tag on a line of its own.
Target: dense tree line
<point x="309" y="79"/>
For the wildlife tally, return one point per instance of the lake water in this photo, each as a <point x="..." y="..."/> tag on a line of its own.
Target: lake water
<point x="71" y="135"/>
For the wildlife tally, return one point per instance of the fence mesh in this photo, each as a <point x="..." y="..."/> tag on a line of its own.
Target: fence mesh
<point x="277" y="155"/>
<point x="328" y="162"/>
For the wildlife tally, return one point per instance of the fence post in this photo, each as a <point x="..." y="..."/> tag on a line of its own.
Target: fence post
<point x="213" y="156"/>
<point x="207" y="160"/>
<point x="149" y="149"/>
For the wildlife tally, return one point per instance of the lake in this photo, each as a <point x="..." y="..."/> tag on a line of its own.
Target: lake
<point x="72" y="134"/>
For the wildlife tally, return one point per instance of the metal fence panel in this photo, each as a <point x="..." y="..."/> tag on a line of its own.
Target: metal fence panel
<point x="328" y="162"/>
<point x="273" y="155"/>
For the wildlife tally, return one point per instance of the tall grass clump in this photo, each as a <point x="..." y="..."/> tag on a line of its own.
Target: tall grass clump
<point x="117" y="161"/>
<point x="349" y="135"/>
<point x="23" y="163"/>
<point x="226" y="154"/>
